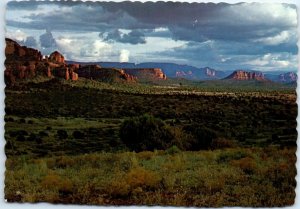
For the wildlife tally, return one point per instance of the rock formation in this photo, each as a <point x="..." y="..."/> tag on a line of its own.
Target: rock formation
<point x="149" y="73"/>
<point x="288" y="77"/>
<point x="57" y="57"/>
<point x="246" y="75"/>
<point x="14" y="51"/>
<point x="95" y="72"/>
<point x="25" y="63"/>
<point x="210" y="72"/>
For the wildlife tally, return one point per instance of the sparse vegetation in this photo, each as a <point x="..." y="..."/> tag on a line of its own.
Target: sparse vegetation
<point x="181" y="179"/>
<point x="188" y="145"/>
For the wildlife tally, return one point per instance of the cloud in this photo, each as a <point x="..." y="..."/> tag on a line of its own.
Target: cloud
<point x="273" y="60"/>
<point x="80" y="48"/>
<point x="133" y="37"/>
<point x="281" y="38"/>
<point x="222" y="35"/>
<point x="124" y="55"/>
<point x="47" y="40"/>
<point x="17" y="35"/>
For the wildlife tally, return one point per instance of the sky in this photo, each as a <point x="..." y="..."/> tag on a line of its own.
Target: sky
<point x="253" y="36"/>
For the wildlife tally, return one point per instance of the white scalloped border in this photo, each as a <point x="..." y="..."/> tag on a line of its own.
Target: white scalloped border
<point x="5" y="205"/>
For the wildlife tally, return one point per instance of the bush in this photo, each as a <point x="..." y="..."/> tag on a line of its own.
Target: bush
<point x="173" y="150"/>
<point x="30" y="122"/>
<point x="145" y="155"/>
<point x="21" y="138"/>
<point x="57" y="183"/>
<point x="201" y="137"/>
<point x="64" y="162"/>
<point x="18" y="133"/>
<point x="140" y="177"/>
<point x="247" y="164"/>
<point x="43" y="134"/>
<point x="9" y="119"/>
<point x="220" y="143"/>
<point x="145" y="133"/>
<point x="22" y="120"/>
<point x="32" y="137"/>
<point x="62" y="134"/>
<point x="118" y="188"/>
<point x="78" y="135"/>
<point x="49" y="128"/>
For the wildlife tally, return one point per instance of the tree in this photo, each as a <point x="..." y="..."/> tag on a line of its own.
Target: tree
<point x="145" y="133"/>
<point x="202" y="137"/>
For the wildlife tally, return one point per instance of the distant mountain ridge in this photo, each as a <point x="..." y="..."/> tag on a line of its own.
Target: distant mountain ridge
<point x="289" y="77"/>
<point x="171" y="70"/>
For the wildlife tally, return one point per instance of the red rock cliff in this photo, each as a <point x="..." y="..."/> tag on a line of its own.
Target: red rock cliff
<point x="245" y="75"/>
<point x="151" y="73"/>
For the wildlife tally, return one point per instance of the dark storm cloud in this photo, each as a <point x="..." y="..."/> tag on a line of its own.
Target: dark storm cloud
<point x="133" y="37"/>
<point x="47" y="40"/>
<point x="225" y="55"/>
<point x="195" y="21"/>
<point x="212" y="31"/>
<point x="24" y="5"/>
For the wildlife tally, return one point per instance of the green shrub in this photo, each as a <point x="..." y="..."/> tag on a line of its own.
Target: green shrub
<point x="22" y="120"/>
<point x="32" y="137"/>
<point x="202" y="137"/>
<point x="21" y="138"/>
<point x="145" y="133"/>
<point x="173" y="150"/>
<point x="30" y="121"/>
<point x="43" y="134"/>
<point x="48" y="128"/>
<point x="78" y="135"/>
<point x="62" y="134"/>
<point x="18" y="133"/>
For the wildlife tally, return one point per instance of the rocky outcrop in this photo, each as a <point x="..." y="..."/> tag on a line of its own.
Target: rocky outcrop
<point x="66" y="73"/>
<point x="25" y="63"/>
<point x="57" y="57"/>
<point x="74" y="76"/>
<point x="210" y="72"/>
<point x="14" y="52"/>
<point x="146" y="73"/>
<point x="95" y="72"/>
<point x="288" y="77"/>
<point x="246" y="75"/>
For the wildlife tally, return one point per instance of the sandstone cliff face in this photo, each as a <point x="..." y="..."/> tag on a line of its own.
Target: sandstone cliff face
<point x="95" y="72"/>
<point x="244" y="75"/>
<point x="57" y="57"/>
<point x="20" y="62"/>
<point x="25" y="63"/>
<point x="15" y="52"/>
<point x="151" y="73"/>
